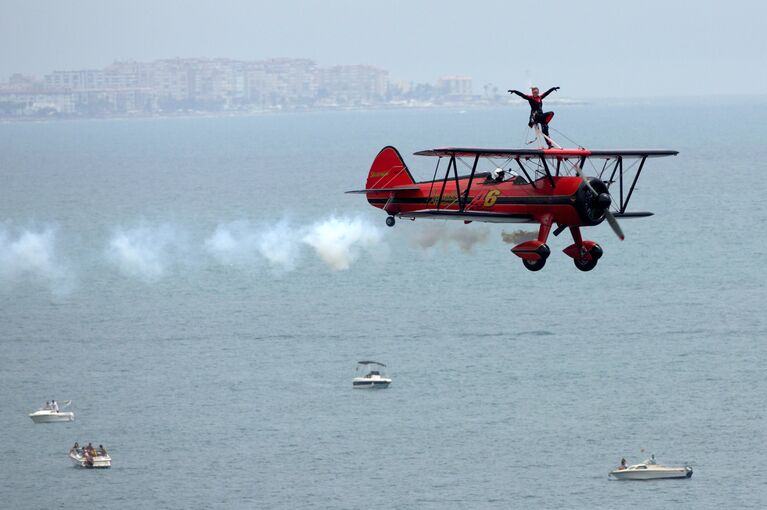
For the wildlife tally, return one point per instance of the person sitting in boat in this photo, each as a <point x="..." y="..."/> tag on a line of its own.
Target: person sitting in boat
<point x="652" y="459"/>
<point x="47" y="405"/>
<point x="102" y="451"/>
<point x="623" y="464"/>
<point x="54" y="406"/>
<point x="75" y="449"/>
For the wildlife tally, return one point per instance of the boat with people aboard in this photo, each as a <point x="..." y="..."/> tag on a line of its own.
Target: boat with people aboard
<point x="90" y="457"/>
<point x="649" y="470"/>
<point x="50" y="413"/>
<point x="373" y="378"/>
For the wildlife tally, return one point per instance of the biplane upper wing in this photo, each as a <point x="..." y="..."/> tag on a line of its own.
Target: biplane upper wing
<point x="460" y="152"/>
<point x="632" y="153"/>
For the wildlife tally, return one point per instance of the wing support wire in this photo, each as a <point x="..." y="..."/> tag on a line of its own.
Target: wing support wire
<point x="434" y="178"/>
<point x="524" y="171"/>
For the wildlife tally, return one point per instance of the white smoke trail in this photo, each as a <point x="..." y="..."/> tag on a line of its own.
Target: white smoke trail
<point x="32" y="256"/>
<point x="338" y="242"/>
<point x="466" y="237"/>
<point x="145" y="252"/>
<point x="233" y="244"/>
<point x="279" y="245"/>
<point x="240" y="243"/>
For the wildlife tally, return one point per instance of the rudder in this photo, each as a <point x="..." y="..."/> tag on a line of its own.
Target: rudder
<point x="388" y="170"/>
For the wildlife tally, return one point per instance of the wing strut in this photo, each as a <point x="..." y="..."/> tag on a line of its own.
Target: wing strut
<point x="634" y="183"/>
<point x="548" y="174"/>
<point x="462" y="206"/>
<point x="615" y="169"/>
<point x="457" y="186"/>
<point x="444" y="181"/>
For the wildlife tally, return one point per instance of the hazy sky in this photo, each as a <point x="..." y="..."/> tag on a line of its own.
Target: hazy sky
<point x="589" y="48"/>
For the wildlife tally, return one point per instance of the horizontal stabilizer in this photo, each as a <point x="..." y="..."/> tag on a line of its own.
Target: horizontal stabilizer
<point x="386" y="190"/>
<point x="636" y="214"/>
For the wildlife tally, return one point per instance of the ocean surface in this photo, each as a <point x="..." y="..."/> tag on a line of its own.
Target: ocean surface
<point x="202" y="288"/>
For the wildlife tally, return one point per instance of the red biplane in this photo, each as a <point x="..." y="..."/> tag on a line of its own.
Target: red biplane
<point x="544" y="186"/>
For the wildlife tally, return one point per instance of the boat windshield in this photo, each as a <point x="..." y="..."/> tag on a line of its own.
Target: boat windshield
<point x="370" y="369"/>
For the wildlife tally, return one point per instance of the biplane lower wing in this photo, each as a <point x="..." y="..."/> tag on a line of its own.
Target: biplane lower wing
<point x="487" y="217"/>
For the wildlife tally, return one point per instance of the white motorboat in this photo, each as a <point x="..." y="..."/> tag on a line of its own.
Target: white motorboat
<point x="650" y="470"/>
<point x="50" y="413"/>
<point x="373" y="377"/>
<point x="82" y="459"/>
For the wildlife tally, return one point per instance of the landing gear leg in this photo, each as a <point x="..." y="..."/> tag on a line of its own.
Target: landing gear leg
<point x="390" y="221"/>
<point x="542" y="248"/>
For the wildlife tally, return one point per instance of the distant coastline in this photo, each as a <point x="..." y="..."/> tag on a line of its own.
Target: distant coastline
<point x="224" y="87"/>
<point x="190" y="113"/>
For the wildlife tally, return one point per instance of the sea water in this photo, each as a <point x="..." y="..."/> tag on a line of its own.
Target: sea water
<point x="202" y="288"/>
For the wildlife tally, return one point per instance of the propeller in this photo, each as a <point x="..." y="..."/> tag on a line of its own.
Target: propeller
<point x="604" y="200"/>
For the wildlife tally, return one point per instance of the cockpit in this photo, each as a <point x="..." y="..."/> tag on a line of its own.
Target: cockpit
<point x="500" y="175"/>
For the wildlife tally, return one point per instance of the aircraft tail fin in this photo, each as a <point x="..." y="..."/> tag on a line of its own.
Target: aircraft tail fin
<point x="388" y="171"/>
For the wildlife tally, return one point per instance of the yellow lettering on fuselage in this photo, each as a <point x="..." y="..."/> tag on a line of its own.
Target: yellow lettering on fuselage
<point x="447" y="198"/>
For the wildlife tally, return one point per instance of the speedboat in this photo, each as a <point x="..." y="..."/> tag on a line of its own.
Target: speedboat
<point x="83" y="460"/>
<point x="51" y="414"/>
<point x="649" y="470"/>
<point x="373" y="376"/>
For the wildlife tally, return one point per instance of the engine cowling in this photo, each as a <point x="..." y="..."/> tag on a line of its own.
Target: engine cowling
<point x="592" y="207"/>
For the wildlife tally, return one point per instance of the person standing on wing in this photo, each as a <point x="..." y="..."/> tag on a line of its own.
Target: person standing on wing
<point x="537" y="116"/>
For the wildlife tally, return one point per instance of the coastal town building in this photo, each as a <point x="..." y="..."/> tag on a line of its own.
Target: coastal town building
<point x="180" y="85"/>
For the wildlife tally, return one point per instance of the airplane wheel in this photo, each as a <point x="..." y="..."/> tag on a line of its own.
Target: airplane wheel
<point x="534" y="265"/>
<point x="585" y="265"/>
<point x="390" y="221"/>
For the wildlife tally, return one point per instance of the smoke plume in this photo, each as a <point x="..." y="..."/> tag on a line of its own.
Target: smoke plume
<point x="31" y="256"/>
<point x="464" y="237"/>
<point x="518" y="236"/>
<point x="145" y="252"/>
<point x="339" y="241"/>
<point x="241" y="243"/>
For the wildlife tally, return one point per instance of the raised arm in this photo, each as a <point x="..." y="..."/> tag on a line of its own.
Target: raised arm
<point x="520" y="94"/>
<point x="552" y="89"/>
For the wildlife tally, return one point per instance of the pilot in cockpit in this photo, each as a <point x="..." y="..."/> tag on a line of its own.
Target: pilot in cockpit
<point x="500" y="175"/>
<point x="497" y="175"/>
